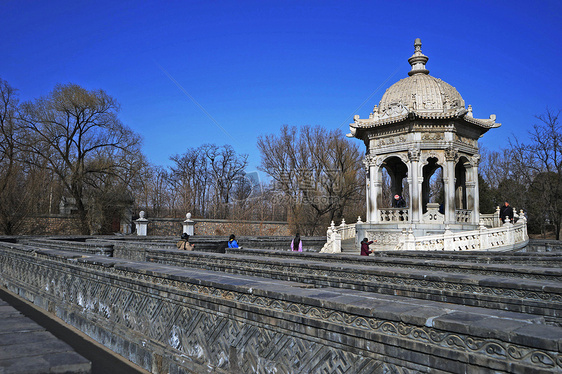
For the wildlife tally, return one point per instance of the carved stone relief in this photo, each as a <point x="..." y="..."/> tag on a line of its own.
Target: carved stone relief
<point x="432" y="136"/>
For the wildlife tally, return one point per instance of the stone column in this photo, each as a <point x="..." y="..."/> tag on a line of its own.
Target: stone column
<point x="475" y="192"/>
<point x="415" y="188"/>
<point x="449" y="186"/>
<point x="374" y="192"/>
<point x="367" y="189"/>
<point x="141" y="224"/>
<point x="188" y="225"/>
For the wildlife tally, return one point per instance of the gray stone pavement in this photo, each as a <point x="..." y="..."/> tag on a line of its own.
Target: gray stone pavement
<point x="31" y="342"/>
<point x="26" y="347"/>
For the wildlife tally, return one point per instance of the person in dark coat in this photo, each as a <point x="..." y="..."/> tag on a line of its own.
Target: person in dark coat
<point x="506" y="211"/>
<point x="365" y="251"/>
<point x="399" y="201"/>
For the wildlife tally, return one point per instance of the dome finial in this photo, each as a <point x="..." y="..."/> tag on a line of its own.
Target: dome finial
<point x="418" y="60"/>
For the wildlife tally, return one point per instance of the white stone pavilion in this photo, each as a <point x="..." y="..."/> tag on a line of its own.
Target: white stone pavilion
<point x="420" y="126"/>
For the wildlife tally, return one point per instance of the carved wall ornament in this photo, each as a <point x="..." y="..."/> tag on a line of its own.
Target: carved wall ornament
<point x="414" y="154"/>
<point x="475" y="159"/>
<point x="466" y="140"/>
<point x="394" y="110"/>
<point x="433" y="136"/>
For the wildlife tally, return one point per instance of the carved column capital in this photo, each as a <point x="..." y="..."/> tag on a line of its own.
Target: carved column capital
<point x="475" y="159"/>
<point x="414" y="154"/>
<point x="450" y="154"/>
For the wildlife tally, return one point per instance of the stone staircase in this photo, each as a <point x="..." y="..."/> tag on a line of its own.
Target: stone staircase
<point x="349" y="247"/>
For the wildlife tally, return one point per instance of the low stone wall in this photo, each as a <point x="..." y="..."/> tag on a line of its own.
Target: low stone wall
<point x="69" y="225"/>
<point x="538" y="290"/>
<point x="51" y="225"/>
<point x="170" y="319"/>
<point x="543" y="245"/>
<point x="217" y="227"/>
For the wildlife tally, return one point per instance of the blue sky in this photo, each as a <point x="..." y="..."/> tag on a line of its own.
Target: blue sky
<point x="253" y="66"/>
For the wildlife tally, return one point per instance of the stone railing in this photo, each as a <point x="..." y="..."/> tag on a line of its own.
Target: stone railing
<point x="336" y="234"/>
<point x="432" y="215"/>
<point x="507" y="237"/>
<point x="463" y="215"/>
<point x="493" y="219"/>
<point x="394" y="215"/>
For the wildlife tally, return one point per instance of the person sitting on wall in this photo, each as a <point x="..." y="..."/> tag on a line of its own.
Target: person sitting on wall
<point x="365" y="251"/>
<point x="232" y="243"/>
<point x="184" y="244"/>
<point x="399" y="202"/>
<point x="506" y="211"/>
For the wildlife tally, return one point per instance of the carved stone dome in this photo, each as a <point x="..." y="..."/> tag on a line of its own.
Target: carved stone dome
<point x="420" y="92"/>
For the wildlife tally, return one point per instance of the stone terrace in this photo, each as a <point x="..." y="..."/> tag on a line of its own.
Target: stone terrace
<point x="251" y="311"/>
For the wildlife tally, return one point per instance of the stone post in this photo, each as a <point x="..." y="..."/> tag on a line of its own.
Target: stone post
<point x="475" y="192"/>
<point x="374" y="192"/>
<point x="510" y="237"/>
<point x="497" y="220"/>
<point x="189" y="225"/>
<point x="484" y="242"/>
<point x="410" y="241"/>
<point x="448" y="239"/>
<point x="141" y="224"/>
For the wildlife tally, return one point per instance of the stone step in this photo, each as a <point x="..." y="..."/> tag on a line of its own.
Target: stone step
<point x="348" y="246"/>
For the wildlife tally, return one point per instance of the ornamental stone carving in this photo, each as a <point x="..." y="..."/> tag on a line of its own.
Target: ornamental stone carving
<point x="426" y="155"/>
<point x="451" y="154"/>
<point x="414" y="154"/>
<point x="432" y="136"/>
<point x="475" y="159"/>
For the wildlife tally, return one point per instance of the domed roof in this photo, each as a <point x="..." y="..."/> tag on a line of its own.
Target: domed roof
<point x="420" y="92"/>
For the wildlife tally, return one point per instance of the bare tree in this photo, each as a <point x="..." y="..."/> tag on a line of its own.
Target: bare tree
<point x="318" y="173"/>
<point x="19" y="185"/>
<point x="205" y="178"/>
<point x="77" y="135"/>
<point x="539" y="165"/>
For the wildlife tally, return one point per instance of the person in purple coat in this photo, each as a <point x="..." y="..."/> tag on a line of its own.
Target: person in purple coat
<point x="296" y="244"/>
<point x="365" y="251"/>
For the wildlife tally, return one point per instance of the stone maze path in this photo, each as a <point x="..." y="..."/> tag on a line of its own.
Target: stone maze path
<point x="26" y="347"/>
<point x="32" y="342"/>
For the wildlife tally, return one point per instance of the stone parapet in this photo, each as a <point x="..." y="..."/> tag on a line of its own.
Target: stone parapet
<point x="495" y="288"/>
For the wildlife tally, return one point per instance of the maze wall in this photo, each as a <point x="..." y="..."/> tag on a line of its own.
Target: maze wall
<point x="173" y="320"/>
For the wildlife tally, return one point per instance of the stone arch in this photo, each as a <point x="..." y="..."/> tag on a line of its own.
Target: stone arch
<point x="396" y="168"/>
<point x="432" y="190"/>
<point x="461" y="177"/>
<point x="425" y="156"/>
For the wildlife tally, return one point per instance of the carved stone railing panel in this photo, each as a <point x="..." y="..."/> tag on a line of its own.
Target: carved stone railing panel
<point x="394" y="215"/>
<point x="506" y="237"/>
<point x="463" y="215"/>
<point x="432" y="215"/>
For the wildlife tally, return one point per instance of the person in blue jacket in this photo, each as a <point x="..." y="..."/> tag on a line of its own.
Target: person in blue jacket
<point x="232" y="243"/>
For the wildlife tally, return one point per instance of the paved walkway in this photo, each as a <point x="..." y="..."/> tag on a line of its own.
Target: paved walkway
<point x="33" y="342"/>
